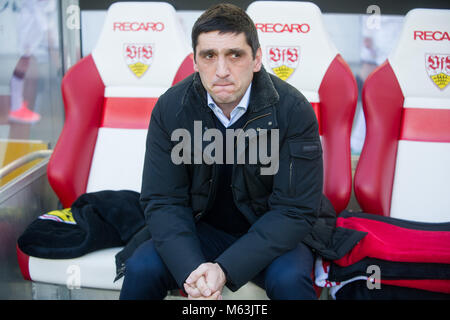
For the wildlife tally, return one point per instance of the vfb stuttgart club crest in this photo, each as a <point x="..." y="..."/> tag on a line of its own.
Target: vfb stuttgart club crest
<point x="283" y="60"/>
<point x="138" y="57"/>
<point x="438" y="68"/>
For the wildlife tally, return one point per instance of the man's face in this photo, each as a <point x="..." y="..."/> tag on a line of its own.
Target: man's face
<point x="225" y="65"/>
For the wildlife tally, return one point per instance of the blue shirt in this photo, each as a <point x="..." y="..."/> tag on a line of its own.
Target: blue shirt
<point x="235" y="114"/>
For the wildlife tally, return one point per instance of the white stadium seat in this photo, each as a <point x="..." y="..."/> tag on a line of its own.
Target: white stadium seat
<point x="404" y="168"/>
<point x="296" y="47"/>
<point x="108" y="98"/>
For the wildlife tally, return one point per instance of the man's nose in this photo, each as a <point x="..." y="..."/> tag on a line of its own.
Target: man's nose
<point x="222" y="70"/>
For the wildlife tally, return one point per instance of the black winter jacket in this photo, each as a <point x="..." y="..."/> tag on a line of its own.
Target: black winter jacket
<point x="282" y="209"/>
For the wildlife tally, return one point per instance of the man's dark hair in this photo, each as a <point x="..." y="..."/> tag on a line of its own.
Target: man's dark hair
<point x="226" y="18"/>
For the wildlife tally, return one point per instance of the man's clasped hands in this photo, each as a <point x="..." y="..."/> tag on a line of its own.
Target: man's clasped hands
<point x="206" y="282"/>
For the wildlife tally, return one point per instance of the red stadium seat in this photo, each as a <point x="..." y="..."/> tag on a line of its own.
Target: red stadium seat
<point x="108" y="97"/>
<point x="296" y="47"/>
<point x="404" y="168"/>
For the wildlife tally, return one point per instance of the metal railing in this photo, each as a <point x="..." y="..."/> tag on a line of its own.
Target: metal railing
<point x="16" y="164"/>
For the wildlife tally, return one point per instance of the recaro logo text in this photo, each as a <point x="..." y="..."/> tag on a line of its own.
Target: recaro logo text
<point x="280" y="27"/>
<point x="138" y="26"/>
<point x="431" y="35"/>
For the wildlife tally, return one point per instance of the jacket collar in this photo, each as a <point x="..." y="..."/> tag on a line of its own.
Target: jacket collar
<point x="263" y="93"/>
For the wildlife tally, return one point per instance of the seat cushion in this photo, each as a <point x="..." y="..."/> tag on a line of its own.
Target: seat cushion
<point x="93" y="270"/>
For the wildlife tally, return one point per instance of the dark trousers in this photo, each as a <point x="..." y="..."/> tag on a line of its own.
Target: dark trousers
<point x="287" y="277"/>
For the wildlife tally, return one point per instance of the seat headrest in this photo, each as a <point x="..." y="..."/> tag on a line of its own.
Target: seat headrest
<point x="294" y="41"/>
<point x="421" y="58"/>
<point x="141" y="44"/>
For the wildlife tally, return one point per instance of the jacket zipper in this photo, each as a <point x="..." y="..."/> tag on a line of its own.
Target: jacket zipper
<point x="233" y="169"/>
<point x="256" y="118"/>
<point x="290" y="177"/>
<point x="212" y="191"/>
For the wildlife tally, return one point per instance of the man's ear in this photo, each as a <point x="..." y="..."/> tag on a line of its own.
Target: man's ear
<point x="258" y="60"/>
<point x="195" y="64"/>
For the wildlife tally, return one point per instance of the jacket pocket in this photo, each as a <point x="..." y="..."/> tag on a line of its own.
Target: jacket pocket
<point x="303" y="155"/>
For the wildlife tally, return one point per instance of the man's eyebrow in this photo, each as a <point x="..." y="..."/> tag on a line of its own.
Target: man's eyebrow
<point x="206" y="52"/>
<point x="236" y="50"/>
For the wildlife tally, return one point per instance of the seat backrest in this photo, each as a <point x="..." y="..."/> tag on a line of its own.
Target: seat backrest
<point x="296" y="47"/>
<point x="109" y="95"/>
<point x="404" y="168"/>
